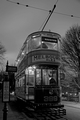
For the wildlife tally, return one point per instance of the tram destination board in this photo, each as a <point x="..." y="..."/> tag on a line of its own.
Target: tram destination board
<point x="49" y="39"/>
<point x="11" y="69"/>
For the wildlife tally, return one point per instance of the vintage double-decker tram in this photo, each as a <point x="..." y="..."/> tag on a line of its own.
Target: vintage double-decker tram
<point x="37" y="78"/>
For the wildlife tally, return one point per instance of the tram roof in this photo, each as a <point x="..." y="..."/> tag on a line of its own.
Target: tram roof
<point x="39" y="33"/>
<point x="42" y="32"/>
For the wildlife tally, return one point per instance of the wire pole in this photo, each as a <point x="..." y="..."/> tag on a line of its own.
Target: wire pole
<point x="49" y="17"/>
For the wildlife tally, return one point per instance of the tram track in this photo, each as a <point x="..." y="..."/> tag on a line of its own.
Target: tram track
<point x="65" y="118"/>
<point x="43" y="114"/>
<point x="23" y="112"/>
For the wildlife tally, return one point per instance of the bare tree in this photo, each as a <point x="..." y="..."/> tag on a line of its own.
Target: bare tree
<point x="70" y="48"/>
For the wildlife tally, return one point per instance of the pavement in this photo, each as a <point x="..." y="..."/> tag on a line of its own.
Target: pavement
<point x="10" y="114"/>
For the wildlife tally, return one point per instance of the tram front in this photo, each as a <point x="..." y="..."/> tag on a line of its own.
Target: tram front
<point x="47" y="87"/>
<point x="46" y="59"/>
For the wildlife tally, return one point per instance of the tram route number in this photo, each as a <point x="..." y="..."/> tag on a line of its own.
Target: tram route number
<point x="50" y="98"/>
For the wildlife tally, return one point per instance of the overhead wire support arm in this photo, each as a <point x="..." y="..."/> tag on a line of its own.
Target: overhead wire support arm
<point x="50" y="13"/>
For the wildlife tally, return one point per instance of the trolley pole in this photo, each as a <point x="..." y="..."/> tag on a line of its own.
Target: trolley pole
<point x="50" y="13"/>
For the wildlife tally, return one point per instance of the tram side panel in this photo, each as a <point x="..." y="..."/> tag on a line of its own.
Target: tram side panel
<point x="24" y="87"/>
<point x="20" y="87"/>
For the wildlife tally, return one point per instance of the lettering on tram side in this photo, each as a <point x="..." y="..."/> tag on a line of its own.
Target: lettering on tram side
<point x="49" y="58"/>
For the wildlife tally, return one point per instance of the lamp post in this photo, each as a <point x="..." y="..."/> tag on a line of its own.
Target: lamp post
<point x="5" y="94"/>
<point x="5" y="111"/>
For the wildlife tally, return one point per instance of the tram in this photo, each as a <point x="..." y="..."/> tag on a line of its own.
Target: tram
<point x="37" y="78"/>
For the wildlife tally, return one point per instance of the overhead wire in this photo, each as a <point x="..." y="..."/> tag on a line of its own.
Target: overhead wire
<point x="44" y="9"/>
<point x="26" y="5"/>
<point x="67" y="15"/>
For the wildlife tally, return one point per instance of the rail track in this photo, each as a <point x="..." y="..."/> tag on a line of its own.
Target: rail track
<point x="26" y="113"/>
<point x="42" y="114"/>
<point x="46" y="114"/>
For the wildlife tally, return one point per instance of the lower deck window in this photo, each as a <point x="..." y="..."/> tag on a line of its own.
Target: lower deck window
<point x="46" y="77"/>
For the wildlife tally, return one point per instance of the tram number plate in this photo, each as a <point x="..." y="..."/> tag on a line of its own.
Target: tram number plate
<point x="50" y="98"/>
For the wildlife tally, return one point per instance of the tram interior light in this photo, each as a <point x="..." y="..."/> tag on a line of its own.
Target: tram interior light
<point x="18" y="60"/>
<point x="34" y="67"/>
<point x="30" y="70"/>
<point x="22" y="53"/>
<point x="34" y="36"/>
<point x="70" y="93"/>
<point x="75" y="94"/>
<point x="66" y="92"/>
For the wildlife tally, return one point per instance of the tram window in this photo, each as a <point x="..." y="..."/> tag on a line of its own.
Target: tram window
<point x="38" y="76"/>
<point x="17" y="83"/>
<point x="53" y="77"/>
<point x="49" y="77"/>
<point x="29" y="45"/>
<point x="51" y="45"/>
<point x="45" y="77"/>
<point x="44" y="45"/>
<point x="26" y="49"/>
<point x="21" y="81"/>
<point x="34" y="43"/>
<point x="30" y="76"/>
<point x="26" y="76"/>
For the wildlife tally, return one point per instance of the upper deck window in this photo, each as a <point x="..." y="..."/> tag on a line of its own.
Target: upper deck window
<point x="51" y="43"/>
<point x="42" y="41"/>
<point x="39" y="40"/>
<point x="34" y="43"/>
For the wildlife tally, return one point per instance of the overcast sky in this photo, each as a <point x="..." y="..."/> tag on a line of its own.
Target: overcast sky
<point x="18" y="21"/>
